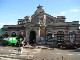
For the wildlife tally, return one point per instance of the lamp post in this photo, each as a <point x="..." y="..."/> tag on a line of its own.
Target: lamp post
<point x="53" y="40"/>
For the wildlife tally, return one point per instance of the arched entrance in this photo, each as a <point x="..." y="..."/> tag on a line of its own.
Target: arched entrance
<point x="32" y="37"/>
<point x="13" y="34"/>
<point x="60" y="35"/>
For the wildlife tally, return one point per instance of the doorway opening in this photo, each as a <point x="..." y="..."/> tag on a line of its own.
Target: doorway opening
<point x="32" y="37"/>
<point x="60" y="37"/>
<point x="13" y="34"/>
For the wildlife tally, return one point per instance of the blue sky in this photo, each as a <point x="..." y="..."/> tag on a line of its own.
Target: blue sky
<point x="12" y="10"/>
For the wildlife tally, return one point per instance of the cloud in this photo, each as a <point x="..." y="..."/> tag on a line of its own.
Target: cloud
<point x="74" y="10"/>
<point x="1" y="25"/>
<point x="12" y="23"/>
<point x="9" y="23"/>
<point x="62" y="13"/>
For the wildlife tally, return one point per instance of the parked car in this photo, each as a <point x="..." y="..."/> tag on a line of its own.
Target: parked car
<point x="77" y="44"/>
<point x="68" y="44"/>
<point x="5" y="41"/>
<point x="59" y="43"/>
<point x="9" y="41"/>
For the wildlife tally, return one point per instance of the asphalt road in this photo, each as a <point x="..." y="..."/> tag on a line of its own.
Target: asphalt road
<point x="11" y="53"/>
<point x="59" y="54"/>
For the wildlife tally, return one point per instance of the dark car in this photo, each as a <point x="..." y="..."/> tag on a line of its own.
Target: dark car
<point x="68" y="44"/>
<point x="59" y="43"/>
<point x="77" y="44"/>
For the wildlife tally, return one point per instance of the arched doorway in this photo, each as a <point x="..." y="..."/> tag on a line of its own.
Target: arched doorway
<point x="60" y="35"/>
<point x="13" y="34"/>
<point x="32" y="37"/>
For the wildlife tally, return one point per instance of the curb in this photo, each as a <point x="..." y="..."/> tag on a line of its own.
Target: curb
<point x="50" y="48"/>
<point x="44" y="48"/>
<point x="30" y="47"/>
<point x="38" y="47"/>
<point x="41" y="47"/>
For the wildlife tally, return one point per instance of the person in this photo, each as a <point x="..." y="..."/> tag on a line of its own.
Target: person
<point x="21" y="44"/>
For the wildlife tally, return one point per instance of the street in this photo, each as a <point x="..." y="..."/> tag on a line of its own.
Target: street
<point x="11" y="53"/>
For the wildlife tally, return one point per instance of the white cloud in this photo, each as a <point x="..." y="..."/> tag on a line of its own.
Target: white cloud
<point x="9" y="23"/>
<point x="1" y="25"/>
<point x="62" y="13"/>
<point x="12" y="23"/>
<point x="74" y="10"/>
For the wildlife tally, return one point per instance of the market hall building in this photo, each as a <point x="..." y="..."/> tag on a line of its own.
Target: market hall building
<point x="42" y="26"/>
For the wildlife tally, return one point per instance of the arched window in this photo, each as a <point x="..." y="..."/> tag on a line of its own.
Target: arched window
<point x="6" y="34"/>
<point x="13" y="34"/>
<point x="72" y="36"/>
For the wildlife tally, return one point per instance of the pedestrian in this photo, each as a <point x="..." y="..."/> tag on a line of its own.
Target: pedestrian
<point x="21" y="44"/>
<point x="27" y="42"/>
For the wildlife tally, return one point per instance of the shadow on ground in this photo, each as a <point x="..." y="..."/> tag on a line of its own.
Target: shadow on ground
<point x="75" y="50"/>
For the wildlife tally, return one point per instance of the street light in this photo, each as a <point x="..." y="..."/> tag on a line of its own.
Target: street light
<point x="53" y="40"/>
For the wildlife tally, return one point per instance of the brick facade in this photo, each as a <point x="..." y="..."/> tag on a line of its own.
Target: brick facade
<point x="38" y="23"/>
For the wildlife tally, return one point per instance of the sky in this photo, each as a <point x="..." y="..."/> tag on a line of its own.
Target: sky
<point x="12" y="10"/>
